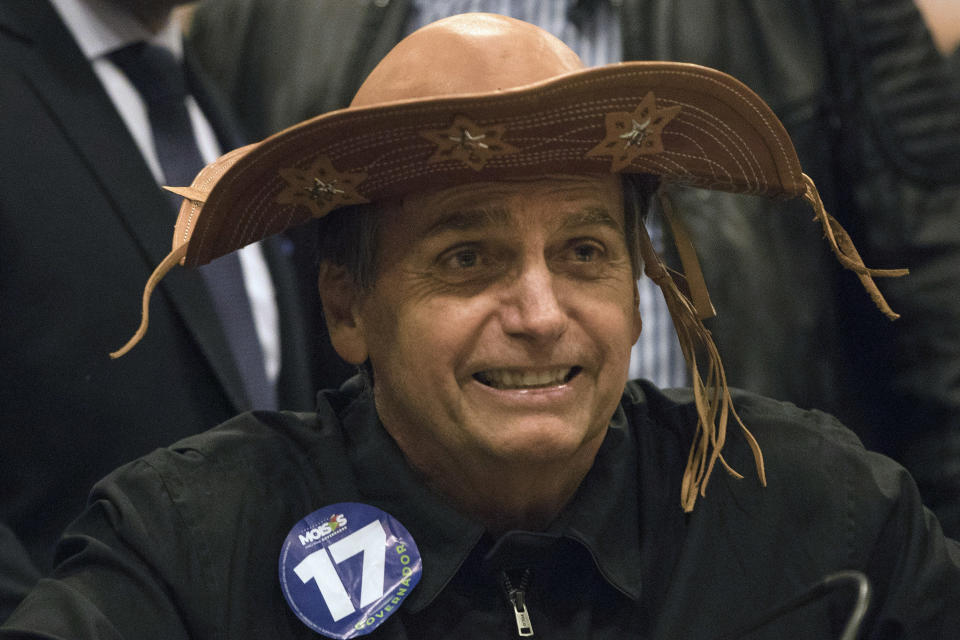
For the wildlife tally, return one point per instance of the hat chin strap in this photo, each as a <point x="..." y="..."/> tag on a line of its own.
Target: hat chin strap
<point x="172" y="259"/>
<point x="692" y="273"/>
<point x="712" y="397"/>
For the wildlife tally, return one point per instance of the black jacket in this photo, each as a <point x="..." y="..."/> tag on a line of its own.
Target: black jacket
<point x="185" y="542"/>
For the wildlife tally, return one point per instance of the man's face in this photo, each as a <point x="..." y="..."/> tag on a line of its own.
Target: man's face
<point x="501" y="320"/>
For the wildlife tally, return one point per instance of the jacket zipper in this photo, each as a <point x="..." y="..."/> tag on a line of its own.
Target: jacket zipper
<point x="517" y="598"/>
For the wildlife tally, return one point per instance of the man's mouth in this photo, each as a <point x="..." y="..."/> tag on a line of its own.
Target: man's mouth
<point x="514" y="379"/>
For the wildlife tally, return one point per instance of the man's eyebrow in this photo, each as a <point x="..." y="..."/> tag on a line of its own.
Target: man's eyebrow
<point x="468" y="220"/>
<point x="591" y="216"/>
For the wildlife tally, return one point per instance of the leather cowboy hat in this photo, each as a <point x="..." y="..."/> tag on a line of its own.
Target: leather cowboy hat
<point x="505" y="97"/>
<point x="482" y="97"/>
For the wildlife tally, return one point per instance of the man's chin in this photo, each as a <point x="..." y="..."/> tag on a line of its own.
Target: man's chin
<point x="542" y="441"/>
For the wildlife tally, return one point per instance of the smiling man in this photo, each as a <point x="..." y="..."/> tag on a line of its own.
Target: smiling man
<point x="492" y="473"/>
<point x="499" y="325"/>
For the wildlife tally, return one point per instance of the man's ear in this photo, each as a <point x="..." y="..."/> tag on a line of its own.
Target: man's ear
<point x="340" y="298"/>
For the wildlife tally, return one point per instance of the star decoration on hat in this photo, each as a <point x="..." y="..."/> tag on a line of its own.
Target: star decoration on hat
<point x="630" y="135"/>
<point x="320" y="187"/>
<point x="468" y="142"/>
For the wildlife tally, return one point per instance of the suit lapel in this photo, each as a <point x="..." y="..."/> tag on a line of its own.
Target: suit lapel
<point x="64" y="81"/>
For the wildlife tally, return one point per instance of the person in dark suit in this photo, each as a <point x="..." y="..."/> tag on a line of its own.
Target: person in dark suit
<point x="83" y="222"/>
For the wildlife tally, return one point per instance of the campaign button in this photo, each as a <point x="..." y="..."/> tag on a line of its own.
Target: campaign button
<point x="346" y="568"/>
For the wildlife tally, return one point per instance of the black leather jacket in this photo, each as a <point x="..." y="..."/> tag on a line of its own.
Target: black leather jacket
<point x="185" y="542"/>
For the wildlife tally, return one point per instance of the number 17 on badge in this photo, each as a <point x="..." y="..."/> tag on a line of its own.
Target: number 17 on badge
<point x="346" y="568"/>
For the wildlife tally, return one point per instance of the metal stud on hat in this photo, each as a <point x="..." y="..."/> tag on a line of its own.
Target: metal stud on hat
<point x="509" y="99"/>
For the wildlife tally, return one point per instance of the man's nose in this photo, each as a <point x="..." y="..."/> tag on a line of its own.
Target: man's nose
<point x="532" y="307"/>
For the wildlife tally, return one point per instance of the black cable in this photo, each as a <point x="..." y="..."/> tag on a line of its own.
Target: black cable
<point x="827" y="584"/>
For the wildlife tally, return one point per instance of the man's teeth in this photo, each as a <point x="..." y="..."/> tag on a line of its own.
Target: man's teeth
<point x="506" y="379"/>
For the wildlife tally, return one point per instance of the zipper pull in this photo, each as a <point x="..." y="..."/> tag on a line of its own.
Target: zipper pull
<point x="517" y="598"/>
<point x="524" y="628"/>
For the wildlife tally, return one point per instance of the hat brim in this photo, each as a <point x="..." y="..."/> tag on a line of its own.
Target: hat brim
<point x="688" y="124"/>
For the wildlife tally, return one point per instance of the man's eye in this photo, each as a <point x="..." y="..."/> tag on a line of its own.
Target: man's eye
<point x="462" y="259"/>
<point x="587" y="252"/>
<point x="468" y="265"/>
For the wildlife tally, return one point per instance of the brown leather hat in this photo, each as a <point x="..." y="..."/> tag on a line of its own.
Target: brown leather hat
<point x="483" y="97"/>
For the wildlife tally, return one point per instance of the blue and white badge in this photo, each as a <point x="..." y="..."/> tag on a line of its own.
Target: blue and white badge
<point x="347" y="567"/>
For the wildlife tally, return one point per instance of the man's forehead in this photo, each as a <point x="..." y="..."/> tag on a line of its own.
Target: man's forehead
<point x="573" y="201"/>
